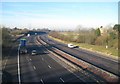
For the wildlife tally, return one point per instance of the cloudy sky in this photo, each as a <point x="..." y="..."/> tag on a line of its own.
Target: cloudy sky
<point x="59" y="15"/>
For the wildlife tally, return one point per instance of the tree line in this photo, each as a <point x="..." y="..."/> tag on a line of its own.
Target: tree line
<point x="92" y="36"/>
<point x="9" y="35"/>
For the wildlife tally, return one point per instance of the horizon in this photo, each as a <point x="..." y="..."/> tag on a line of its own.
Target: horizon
<point x="59" y="15"/>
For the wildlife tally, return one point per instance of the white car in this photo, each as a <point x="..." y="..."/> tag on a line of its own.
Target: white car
<point x="72" y="46"/>
<point x="23" y="51"/>
<point x="34" y="52"/>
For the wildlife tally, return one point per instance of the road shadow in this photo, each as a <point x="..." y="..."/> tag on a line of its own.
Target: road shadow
<point x="6" y="77"/>
<point x="9" y="51"/>
<point x="39" y="49"/>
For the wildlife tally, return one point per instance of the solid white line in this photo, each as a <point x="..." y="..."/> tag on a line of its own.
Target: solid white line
<point x="62" y="80"/>
<point x="49" y="66"/>
<point x="42" y="81"/>
<point x="19" y="66"/>
<point x="34" y="67"/>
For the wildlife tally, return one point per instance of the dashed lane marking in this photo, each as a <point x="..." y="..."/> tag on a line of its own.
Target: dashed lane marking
<point x="49" y="66"/>
<point x="5" y="63"/>
<point x="30" y="59"/>
<point x="62" y="80"/>
<point x="34" y="67"/>
<point x="27" y="59"/>
<point x="42" y="59"/>
<point x="42" y="81"/>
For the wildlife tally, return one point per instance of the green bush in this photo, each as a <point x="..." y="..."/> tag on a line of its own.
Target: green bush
<point x="92" y="37"/>
<point x="113" y="43"/>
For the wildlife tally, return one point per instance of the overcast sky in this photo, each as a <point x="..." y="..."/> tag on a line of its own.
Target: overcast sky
<point x="59" y="15"/>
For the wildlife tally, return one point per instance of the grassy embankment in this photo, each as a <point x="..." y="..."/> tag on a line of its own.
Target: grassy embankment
<point x="111" y="52"/>
<point x="9" y="39"/>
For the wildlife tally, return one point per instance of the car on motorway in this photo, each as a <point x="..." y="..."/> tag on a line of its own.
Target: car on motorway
<point x="23" y="50"/>
<point x="34" y="52"/>
<point x="72" y="46"/>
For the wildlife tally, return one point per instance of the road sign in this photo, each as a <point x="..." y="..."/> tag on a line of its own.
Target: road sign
<point x="22" y="42"/>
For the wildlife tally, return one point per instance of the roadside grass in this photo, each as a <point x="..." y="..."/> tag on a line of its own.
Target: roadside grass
<point x="69" y="33"/>
<point x="111" y="52"/>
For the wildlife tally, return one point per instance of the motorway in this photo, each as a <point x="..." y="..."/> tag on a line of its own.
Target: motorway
<point x="43" y="67"/>
<point x="96" y="59"/>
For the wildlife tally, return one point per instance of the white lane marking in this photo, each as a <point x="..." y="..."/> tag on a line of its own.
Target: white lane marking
<point x="27" y="59"/>
<point x="19" y="66"/>
<point x="49" y="66"/>
<point x="5" y="62"/>
<point x="42" y="81"/>
<point x="30" y="59"/>
<point x="42" y="59"/>
<point x="34" y="67"/>
<point x="62" y="80"/>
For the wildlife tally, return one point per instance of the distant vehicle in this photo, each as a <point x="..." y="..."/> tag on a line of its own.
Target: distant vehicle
<point x="72" y="46"/>
<point x="23" y="48"/>
<point x="28" y="35"/>
<point x="35" y="33"/>
<point x="34" y="52"/>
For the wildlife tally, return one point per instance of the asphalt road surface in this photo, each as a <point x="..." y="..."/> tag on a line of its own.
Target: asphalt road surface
<point x="41" y="67"/>
<point x="96" y="59"/>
